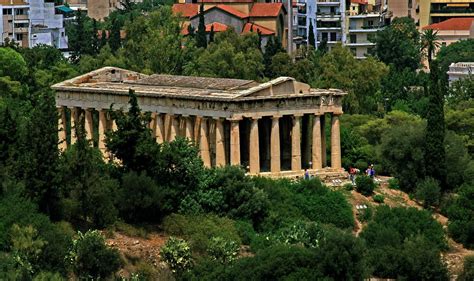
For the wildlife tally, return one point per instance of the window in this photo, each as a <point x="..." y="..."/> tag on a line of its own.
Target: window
<point x="19" y="37"/>
<point x="7" y="11"/>
<point x="353" y="38"/>
<point x="20" y="25"/>
<point x="410" y="4"/>
<point x="324" y="36"/>
<point x="333" y="36"/>
<point x="370" y="23"/>
<point x="20" y="12"/>
<point x="333" y="10"/>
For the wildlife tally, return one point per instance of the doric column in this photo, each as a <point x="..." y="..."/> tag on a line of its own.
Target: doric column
<point x="75" y="111"/>
<point x="189" y="127"/>
<point x="317" y="151"/>
<point x="174" y="127"/>
<point x="159" y="128"/>
<point x="323" y="140"/>
<point x="275" y="145"/>
<point x="335" y="142"/>
<point x="254" y="149"/>
<point x="62" y="129"/>
<point x="220" y="148"/>
<point x="234" y="142"/>
<point x="102" y="129"/>
<point x="204" y="143"/>
<point x="296" y="144"/>
<point x="88" y="124"/>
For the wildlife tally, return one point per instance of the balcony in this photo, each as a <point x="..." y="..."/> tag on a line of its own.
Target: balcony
<point x="328" y="16"/>
<point x="360" y="44"/>
<point x="452" y="11"/>
<point x="365" y="28"/>
<point x="328" y="3"/>
<point x="365" y="15"/>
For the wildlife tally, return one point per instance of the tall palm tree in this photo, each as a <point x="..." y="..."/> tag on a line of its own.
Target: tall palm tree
<point x="429" y="42"/>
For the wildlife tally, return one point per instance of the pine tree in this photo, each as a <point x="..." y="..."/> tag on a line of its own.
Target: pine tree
<point x="191" y="31"/>
<point x="311" y="39"/>
<point x="79" y="39"/>
<point x="272" y="48"/>
<point x="201" y="38"/>
<point x="435" y="154"/>
<point x="103" y="39"/>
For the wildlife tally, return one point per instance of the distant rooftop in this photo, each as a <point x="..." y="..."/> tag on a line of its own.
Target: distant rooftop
<point x="452" y="24"/>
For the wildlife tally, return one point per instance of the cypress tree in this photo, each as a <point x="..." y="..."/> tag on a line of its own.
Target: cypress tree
<point x="96" y="45"/>
<point x="191" y="31"/>
<point x="103" y="39"/>
<point x="201" y="38"/>
<point x="114" y="36"/>
<point x="211" y="34"/>
<point x="435" y="154"/>
<point x="311" y="40"/>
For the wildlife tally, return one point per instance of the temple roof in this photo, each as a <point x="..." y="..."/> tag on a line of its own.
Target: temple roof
<point x="118" y="81"/>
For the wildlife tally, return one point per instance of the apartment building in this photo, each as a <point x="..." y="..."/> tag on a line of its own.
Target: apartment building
<point x="364" y="19"/>
<point x="15" y="23"/>
<point x="435" y="11"/>
<point x="32" y="22"/>
<point x="330" y="22"/>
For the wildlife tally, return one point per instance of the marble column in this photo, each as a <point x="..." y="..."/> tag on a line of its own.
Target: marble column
<point x="204" y="143"/>
<point x="102" y="129"/>
<point x="75" y="112"/>
<point x="316" y="150"/>
<point x="335" y="142"/>
<point x="323" y="140"/>
<point x="62" y="129"/>
<point x="174" y="128"/>
<point x="296" y="144"/>
<point x="234" y="142"/>
<point x="275" y="163"/>
<point x="89" y="124"/>
<point x="254" y="148"/>
<point x="152" y="126"/>
<point x="189" y="127"/>
<point x="159" y="128"/>
<point x="220" y="147"/>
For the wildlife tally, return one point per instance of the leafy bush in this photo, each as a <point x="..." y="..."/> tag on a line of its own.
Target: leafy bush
<point x="365" y="185"/>
<point x="89" y="256"/>
<point x="223" y="250"/>
<point x="177" y="255"/>
<point x="379" y="198"/>
<point x="348" y="186"/>
<point x="303" y="200"/>
<point x="468" y="269"/>
<point x="199" y="230"/>
<point x="366" y="214"/>
<point x="390" y="231"/>
<point x="300" y="233"/>
<point x="393" y="183"/>
<point x="246" y="231"/>
<point x="461" y="216"/>
<point x="428" y="191"/>
<point x="139" y="199"/>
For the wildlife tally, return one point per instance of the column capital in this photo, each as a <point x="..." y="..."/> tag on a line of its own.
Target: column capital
<point x="277" y="116"/>
<point x="337" y="113"/>
<point x="297" y="115"/>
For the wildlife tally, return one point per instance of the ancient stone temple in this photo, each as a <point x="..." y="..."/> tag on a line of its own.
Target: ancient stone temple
<point x="277" y="128"/>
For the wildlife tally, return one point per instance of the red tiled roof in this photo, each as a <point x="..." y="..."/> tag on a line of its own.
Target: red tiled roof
<point x="228" y="9"/>
<point x="361" y="2"/>
<point x="266" y="9"/>
<point x="255" y="27"/>
<point x="218" y="27"/>
<point x="186" y="10"/>
<point x="232" y="11"/>
<point x="225" y="1"/>
<point x="452" y="24"/>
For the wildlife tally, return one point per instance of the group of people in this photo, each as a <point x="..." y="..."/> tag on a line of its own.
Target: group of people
<point x="370" y="172"/>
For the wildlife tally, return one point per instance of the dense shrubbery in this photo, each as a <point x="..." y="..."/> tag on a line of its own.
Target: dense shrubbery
<point x="392" y="238"/>
<point x="428" y="192"/>
<point x="468" y="269"/>
<point x="365" y="185"/>
<point x="461" y="215"/>
<point x="177" y="254"/>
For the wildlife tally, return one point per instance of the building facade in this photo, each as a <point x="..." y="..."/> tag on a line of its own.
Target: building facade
<point x="460" y="70"/>
<point x="32" y="22"/>
<point x="328" y="19"/>
<point x="277" y="128"/>
<point x="435" y="11"/>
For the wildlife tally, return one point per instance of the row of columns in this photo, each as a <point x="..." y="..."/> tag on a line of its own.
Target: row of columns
<point x="166" y="127"/>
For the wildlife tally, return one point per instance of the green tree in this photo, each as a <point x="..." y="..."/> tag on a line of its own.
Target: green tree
<point x="211" y="34"/>
<point x="461" y="216"/>
<point x="13" y="64"/>
<point x="428" y="192"/>
<point x="201" y="35"/>
<point x="90" y="257"/>
<point x="435" y="154"/>
<point x="468" y="269"/>
<point x="26" y="247"/>
<point x="272" y="48"/>
<point x="462" y="50"/>
<point x="133" y="142"/>
<point x="311" y="39"/>
<point x="115" y="42"/>
<point x="398" y="45"/>
<point x="429" y="43"/>
<point x="80" y="36"/>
